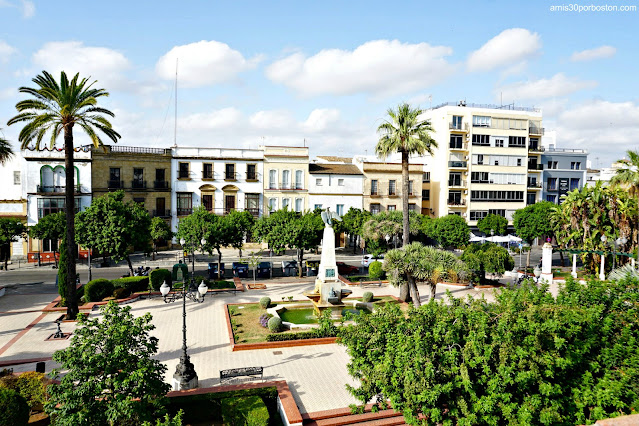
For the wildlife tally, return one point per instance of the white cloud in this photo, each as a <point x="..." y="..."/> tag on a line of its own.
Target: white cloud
<point x="215" y="120"/>
<point x="596" y="53"/>
<point x="5" y="51"/>
<point x="28" y="9"/>
<point x="204" y="63"/>
<point x="380" y="67"/>
<point x="557" y="85"/>
<point x="321" y="119"/>
<point x="506" y="50"/>
<point x="273" y="119"/>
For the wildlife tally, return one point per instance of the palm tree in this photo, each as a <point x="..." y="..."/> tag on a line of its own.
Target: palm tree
<point x="58" y="107"/>
<point x="628" y="177"/>
<point x="5" y="150"/>
<point x="406" y="133"/>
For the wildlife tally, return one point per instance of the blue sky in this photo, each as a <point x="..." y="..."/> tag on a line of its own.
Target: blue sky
<point x="281" y="72"/>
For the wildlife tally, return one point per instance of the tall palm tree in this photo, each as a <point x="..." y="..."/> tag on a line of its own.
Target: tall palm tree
<point x="406" y="133"/>
<point x="5" y="150"/>
<point x="58" y="107"/>
<point x="628" y="178"/>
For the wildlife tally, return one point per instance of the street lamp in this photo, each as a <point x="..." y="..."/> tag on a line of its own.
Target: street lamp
<point x="182" y="242"/>
<point x="602" y="273"/>
<point x="537" y="273"/>
<point x="618" y="242"/>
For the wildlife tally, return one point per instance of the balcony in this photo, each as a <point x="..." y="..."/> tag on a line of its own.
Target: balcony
<point x="251" y="177"/>
<point x="161" y="185"/>
<point x="456" y="203"/>
<point x="55" y="189"/>
<point x="161" y="213"/>
<point x="534" y="185"/>
<point x="452" y="183"/>
<point x="456" y="127"/>
<point x="534" y="167"/>
<point x="226" y="210"/>
<point x="286" y="187"/>
<point x="207" y="175"/>
<point x="115" y="184"/>
<point x="535" y="148"/>
<point x="230" y="176"/>
<point x="457" y="164"/>
<point x="184" y="211"/>
<point x="183" y="174"/>
<point x="534" y="130"/>
<point x="458" y="146"/>
<point x="138" y="184"/>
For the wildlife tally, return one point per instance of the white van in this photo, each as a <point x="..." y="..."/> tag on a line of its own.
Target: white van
<point x="368" y="259"/>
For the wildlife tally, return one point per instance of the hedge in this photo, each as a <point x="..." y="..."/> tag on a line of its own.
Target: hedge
<point x="217" y="284"/>
<point x="121" y="293"/>
<point x="14" y="408"/>
<point x="132" y="284"/>
<point x="375" y="270"/>
<point x="247" y="410"/>
<point x="31" y="385"/>
<point x="158" y="276"/>
<point x="96" y="290"/>
<point x="302" y="335"/>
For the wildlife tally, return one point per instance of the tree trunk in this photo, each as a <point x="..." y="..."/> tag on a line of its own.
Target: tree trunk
<point x="433" y="291"/>
<point x="128" y="261"/>
<point x="55" y="259"/>
<point x="561" y="258"/>
<point x="404" y="292"/>
<point x="414" y="291"/>
<point x="219" y="263"/>
<point x="300" y="259"/>
<point x="72" y="300"/>
<point x="406" y="230"/>
<point x="528" y="258"/>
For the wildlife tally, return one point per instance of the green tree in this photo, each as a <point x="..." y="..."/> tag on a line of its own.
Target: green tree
<point x="160" y="231"/>
<point x="488" y="257"/>
<point x="450" y="231"/>
<point x="195" y="227"/>
<point x="493" y="222"/>
<point x="112" y="376"/>
<point x="240" y="227"/>
<point x="50" y="227"/>
<point x="112" y="226"/>
<point x="58" y="107"/>
<point x="533" y="222"/>
<point x="6" y="152"/>
<point x="10" y="230"/>
<point x="627" y="177"/>
<point x="353" y="224"/>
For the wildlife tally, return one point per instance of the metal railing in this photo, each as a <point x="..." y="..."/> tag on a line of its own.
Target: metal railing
<point x="463" y="127"/>
<point x="534" y="130"/>
<point x="460" y="146"/>
<point x="118" y="184"/>
<point x="230" y="176"/>
<point x="458" y="164"/>
<point x="536" y="149"/>
<point x="535" y="166"/>
<point x="56" y="189"/>
<point x="509" y="107"/>
<point x="161" y="213"/>
<point x="453" y="202"/>
<point x="184" y="211"/>
<point x="457" y="183"/>
<point x="138" y="150"/>
<point x="160" y="184"/>
<point x="534" y="185"/>
<point x="206" y="175"/>
<point x="251" y="176"/>
<point x="138" y="184"/>
<point x="183" y="174"/>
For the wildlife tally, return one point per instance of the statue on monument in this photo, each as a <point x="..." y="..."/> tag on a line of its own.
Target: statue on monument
<point x="328" y="216"/>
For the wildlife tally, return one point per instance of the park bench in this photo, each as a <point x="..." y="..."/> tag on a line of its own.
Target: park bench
<point x="253" y="372"/>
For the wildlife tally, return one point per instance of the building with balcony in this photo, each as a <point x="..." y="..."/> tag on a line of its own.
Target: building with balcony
<point x="286" y="178"/>
<point x="13" y="203"/>
<point x="142" y="173"/>
<point x="335" y="183"/>
<point x="488" y="160"/>
<point x="564" y="171"/>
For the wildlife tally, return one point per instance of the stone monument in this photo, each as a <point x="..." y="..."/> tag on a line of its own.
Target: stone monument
<point x="546" y="262"/>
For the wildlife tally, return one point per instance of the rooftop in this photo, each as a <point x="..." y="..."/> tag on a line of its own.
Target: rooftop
<point x="566" y="150"/>
<point x="334" y="169"/>
<point x="508" y="107"/>
<point x="335" y="159"/>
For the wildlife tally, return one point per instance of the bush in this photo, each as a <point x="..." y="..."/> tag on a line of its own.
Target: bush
<point x="264" y="319"/>
<point x="31" y="386"/>
<point x="158" y="276"/>
<point x="132" y="284"/>
<point x="96" y="290"/>
<point x="14" y="408"/>
<point x="274" y="324"/>
<point x="121" y="293"/>
<point x="367" y="297"/>
<point x="302" y="335"/>
<point x="248" y="410"/>
<point x="265" y="302"/>
<point x="375" y="271"/>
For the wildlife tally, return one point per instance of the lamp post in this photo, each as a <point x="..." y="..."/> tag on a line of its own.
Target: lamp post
<point x="602" y="274"/>
<point x="537" y="273"/>
<point x="621" y="241"/>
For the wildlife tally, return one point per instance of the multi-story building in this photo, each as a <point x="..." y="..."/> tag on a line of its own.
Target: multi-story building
<point x="220" y="179"/>
<point x="488" y="160"/>
<point x="336" y="183"/>
<point x="142" y="173"/>
<point x="564" y="170"/>
<point x="44" y="186"/>
<point x="13" y="203"/>
<point x="383" y="185"/>
<point x="286" y="178"/>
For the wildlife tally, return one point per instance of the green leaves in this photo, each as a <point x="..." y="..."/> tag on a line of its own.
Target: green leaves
<point x="493" y="222"/>
<point x="449" y="231"/>
<point x="533" y="221"/>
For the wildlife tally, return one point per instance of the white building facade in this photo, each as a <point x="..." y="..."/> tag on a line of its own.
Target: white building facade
<point x="335" y="186"/>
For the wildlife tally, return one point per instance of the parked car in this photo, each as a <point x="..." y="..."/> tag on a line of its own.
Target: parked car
<point x="240" y="269"/>
<point x="345" y="269"/>
<point x="368" y="259"/>
<point x="289" y="268"/>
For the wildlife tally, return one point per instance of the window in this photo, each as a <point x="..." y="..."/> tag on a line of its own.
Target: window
<point x="340" y="182"/>
<point x="454" y="179"/>
<point x="374" y="187"/>
<point x="575" y="165"/>
<point x="184" y="203"/>
<point x="479" y="177"/>
<point x="480" y="159"/>
<point x="160" y="207"/>
<point x="478" y="214"/>
<point x="533" y="143"/>
<point x="299" y="202"/>
<point x="498" y="212"/>
<point x="499" y="142"/>
<point x="375" y="208"/>
<point x="551" y="184"/>
<point x="139" y="200"/>
<point x="49" y="245"/>
<point x="253" y="204"/>
<point x="183" y="171"/>
<point x="410" y="187"/>
<point x="481" y="140"/>
<point x="160" y="181"/>
<point x="207" y="171"/>
<point x="425" y="194"/>
<point x="285" y="202"/>
<point x="299" y="179"/>
<point x="114" y="178"/>
<point x="207" y="201"/>
<point x="272" y="179"/>
<point x="551" y="198"/>
<point x="340" y="209"/>
<point x="481" y="121"/>
<point x="138" y="179"/>
<point x="531" y="198"/>
<point x="457" y="122"/>
<point x="391" y="208"/>
<point x="517" y="141"/>
<point x="251" y="173"/>
<point x="412" y="207"/>
<point x="286" y="180"/>
<point x="574" y="184"/>
<point x="456" y="142"/>
<point x="47" y="206"/>
<point x="497" y="195"/>
<point x="318" y="182"/>
<point x="392" y="190"/>
<point x="229" y="171"/>
<point x="16" y="178"/>
<point x="519" y="162"/>
<point x="455" y="198"/>
<point x="426" y="177"/>
<point x="272" y="204"/>
<point x="317" y="206"/>
<point x="552" y="164"/>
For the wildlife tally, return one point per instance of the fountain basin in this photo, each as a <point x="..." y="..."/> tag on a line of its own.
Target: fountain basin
<point x="301" y="316"/>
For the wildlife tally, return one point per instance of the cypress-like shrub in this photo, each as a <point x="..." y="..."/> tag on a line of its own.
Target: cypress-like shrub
<point x="96" y="290"/>
<point x="367" y="297"/>
<point x="158" y="276"/>
<point x="274" y="324"/>
<point x="14" y="408"/>
<point x="265" y="302"/>
<point x="375" y="271"/>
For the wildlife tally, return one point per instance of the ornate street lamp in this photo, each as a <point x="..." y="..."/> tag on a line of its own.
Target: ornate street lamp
<point x="602" y="273"/>
<point x="618" y="242"/>
<point x="537" y="273"/>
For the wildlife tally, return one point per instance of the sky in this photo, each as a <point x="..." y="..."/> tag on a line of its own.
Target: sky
<point x="325" y="73"/>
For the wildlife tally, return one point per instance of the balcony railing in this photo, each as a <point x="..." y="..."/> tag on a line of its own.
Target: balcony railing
<point x="536" y="148"/>
<point x="206" y="175"/>
<point x="251" y="176"/>
<point x="56" y="189"/>
<point x="534" y="184"/>
<point x="457" y="183"/>
<point x="458" y="164"/>
<point x="285" y="187"/>
<point x="535" y="166"/>
<point x="463" y="127"/>
<point x="183" y="174"/>
<point x="453" y="202"/>
<point x="160" y="184"/>
<point x="184" y="211"/>
<point x="116" y="184"/>
<point x="138" y="184"/>
<point x="161" y="213"/>
<point x="230" y="176"/>
<point x="458" y="146"/>
<point x="226" y="210"/>
<point x="534" y="130"/>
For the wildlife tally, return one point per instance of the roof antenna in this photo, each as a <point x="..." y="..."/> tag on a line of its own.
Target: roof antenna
<point x="175" y="125"/>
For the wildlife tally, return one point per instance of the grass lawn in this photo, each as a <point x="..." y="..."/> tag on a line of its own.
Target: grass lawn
<point x="246" y="318"/>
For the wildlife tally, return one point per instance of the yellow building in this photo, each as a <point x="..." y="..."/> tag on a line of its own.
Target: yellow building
<point x="286" y="178"/>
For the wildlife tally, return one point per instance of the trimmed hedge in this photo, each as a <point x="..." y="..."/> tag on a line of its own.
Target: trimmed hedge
<point x="265" y="302"/>
<point x="121" y="293"/>
<point x="367" y="297"/>
<point x="248" y="410"/>
<point x="158" y="276"/>
<point x="96" y="290"/>
<point x="302" y="335"/>
<point x="274" y="324"/>
<point x="375" y="270"/>
<point x="214" y="285"/>
<point x="132" y="284"/>
<point x="14" y="408"/>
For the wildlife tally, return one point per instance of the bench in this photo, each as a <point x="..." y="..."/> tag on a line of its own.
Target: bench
<point x="253" y="372"/>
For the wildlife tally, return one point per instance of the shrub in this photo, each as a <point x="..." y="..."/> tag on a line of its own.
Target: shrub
<point x="96" y="290"/>
<point x="274" y="324"/>
<point x="375" y="271"/>
<point x="132" y="284"/>
<point x="248" y="410"/>
<point x="31" y="386"/>
<point x="121" y="293"/>
<point x="265" y="302"/>
<point x="14" y="408"/>
<point x="302" y="335"/>
<point x="264" y="319"/>
<point x="167" y="420"/>
<point x="158" y="276"/>
<point x="367" y="297"/>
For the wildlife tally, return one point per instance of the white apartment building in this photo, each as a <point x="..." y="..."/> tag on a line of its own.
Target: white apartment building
<point x="220" y="179"/>
<point x="286" y="178"/>
<point x="487" y="159"/>
<point x="335" y="183"/>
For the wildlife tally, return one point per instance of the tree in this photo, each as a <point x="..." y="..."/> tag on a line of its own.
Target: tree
<point x="533" y="222"/>
<point x="241" y="226"/>
<point x="160" y="231"/>
<point x="487" y="257"/>
<point x="6" y="152"/>
<point x="473" y="362"/>
<point x="493" y="222"/>
<point x="10" y="230"/>
<point x="627" y="178"/>
<point x="390" y="224"/>
<point x="50" y="227"/>
<point x="62" y="271"/>
<point x="353" y="223"/>
<point x="415" y="262"/>
<point x="114" y="227"/>
<point x="408" y="135"/>
<point x="195" y="227"/>
<point x="58" y="107"/>
<point x="450" y="231"/>
<point x="112" y="374"/>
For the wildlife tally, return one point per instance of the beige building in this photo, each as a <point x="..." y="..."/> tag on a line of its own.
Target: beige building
<point x="13" y="204"/>
<point x="383" y="185"/>
<point x="286" y="178"/>
<point x="488" y="160"/>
